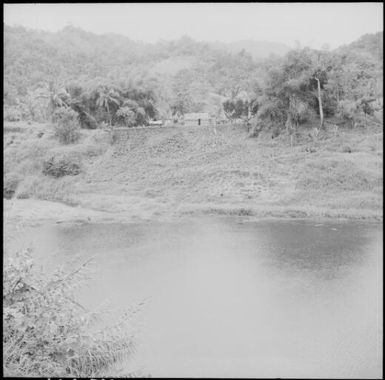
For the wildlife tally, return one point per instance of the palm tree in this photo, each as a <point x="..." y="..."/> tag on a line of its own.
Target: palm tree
<point x="105" y="98"/>
<point x="57" y="96"/>
<point x="319" y="97"/>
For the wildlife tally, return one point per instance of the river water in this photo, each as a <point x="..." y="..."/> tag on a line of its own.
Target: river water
<point x="227" y="297"/>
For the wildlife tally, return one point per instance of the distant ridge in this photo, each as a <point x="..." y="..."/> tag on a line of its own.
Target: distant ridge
<point x="257" y="49"/>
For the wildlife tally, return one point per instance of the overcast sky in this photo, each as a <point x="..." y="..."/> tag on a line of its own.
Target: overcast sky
<point x="312" y="24"/>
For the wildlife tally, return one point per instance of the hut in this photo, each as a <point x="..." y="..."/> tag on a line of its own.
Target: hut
<point x="196" y="119"/>
<point x="155" y="123"/>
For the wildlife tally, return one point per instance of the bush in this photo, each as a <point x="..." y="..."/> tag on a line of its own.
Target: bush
<point x="11" y="181"/>
<point x="61" y="164"/>
<point x="347" y="111"/>
<point x="126" y="117"/>
<point x="273" y="111"/>
<point x="66" y="125"/>
<point x="60" y="168"/>
<point x="47" y="333"/>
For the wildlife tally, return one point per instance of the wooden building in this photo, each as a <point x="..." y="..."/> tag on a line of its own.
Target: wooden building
<point x="197" y="119"/>
<point x="155" y="123"/>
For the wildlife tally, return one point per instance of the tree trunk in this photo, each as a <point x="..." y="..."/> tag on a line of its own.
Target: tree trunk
<point x="109" y="115"/>
<point x="321" y="112"/>
<point x="290" y="130"/>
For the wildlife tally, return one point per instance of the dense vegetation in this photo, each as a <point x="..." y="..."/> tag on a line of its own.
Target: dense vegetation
<point x="110" y="79"/>
<point x="47" y="333"/>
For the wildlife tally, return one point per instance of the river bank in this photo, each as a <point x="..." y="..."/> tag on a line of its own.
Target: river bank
<point x="165" y="174"/>
<point x="34" y="212"/>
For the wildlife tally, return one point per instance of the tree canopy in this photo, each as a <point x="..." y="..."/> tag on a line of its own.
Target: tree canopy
<point x="111" y="79"/>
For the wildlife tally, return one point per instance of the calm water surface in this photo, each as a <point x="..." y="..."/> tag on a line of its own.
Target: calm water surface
<point x="229" y="298"/>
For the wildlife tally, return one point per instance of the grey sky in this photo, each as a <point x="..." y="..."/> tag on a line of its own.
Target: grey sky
<point x="309" y="23"/>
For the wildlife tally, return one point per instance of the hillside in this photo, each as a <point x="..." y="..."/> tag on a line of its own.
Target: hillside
<point x="258" y="49"/>
<point x="247" y="166"/>
<point x="34" y="58"/>
<point x="177" y="76"/>
<point x="370" y="45"/>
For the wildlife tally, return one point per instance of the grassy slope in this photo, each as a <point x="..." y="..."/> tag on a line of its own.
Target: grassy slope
<point x="187" y="170"/>
<point x="194" y="170"/>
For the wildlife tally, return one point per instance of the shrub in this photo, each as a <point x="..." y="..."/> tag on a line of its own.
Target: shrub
<point x="66" y="125"/>
<point x="47" y="333"/>
<point x="60" y="168"/>
<point x="11" y="181"/>
<point x="58" y="164"/>
<point x="274" y="111"/>
<point x="347" y="111"/>
<point x="126" y="117"/>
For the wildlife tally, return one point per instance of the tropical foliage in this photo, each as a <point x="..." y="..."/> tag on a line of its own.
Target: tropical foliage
<point x="47" y="332"/>
<point x="112" y="80"/>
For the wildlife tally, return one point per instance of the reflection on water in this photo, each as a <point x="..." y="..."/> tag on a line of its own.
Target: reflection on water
<point x="246" y="299"/>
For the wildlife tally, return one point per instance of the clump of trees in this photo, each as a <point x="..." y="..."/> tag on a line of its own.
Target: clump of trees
<point x="240" y="109"/>
<point x="308" y="85"/>
<point x="110" y="79"/>
<point x="96" y="104"/>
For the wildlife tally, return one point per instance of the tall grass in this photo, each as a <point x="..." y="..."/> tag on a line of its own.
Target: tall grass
<point x="337" y="175"/>
<point x="32" y="155"/>
<point x="47" y="188"/>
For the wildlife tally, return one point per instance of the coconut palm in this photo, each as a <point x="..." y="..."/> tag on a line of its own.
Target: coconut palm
<point x="107" y="96"/>
<point x="57" y="96"/>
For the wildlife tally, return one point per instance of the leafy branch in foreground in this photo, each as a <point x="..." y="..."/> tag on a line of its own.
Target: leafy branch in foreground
<point x="47" y="333"/>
